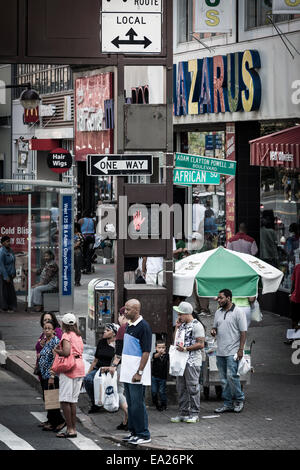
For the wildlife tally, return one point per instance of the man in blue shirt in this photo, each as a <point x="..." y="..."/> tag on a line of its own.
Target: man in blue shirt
<point x="8" y="298"/>
<point x="136" y="372"/>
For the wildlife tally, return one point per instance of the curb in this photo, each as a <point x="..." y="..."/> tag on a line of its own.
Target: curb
<point x="3" y="352"/>
<point x="19" y="367"/>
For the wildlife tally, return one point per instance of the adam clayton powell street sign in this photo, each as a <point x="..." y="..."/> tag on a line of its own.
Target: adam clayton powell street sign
<point x="119" y="165"/>
<point x="131" y="26"/>
<point x="214" y="165"/>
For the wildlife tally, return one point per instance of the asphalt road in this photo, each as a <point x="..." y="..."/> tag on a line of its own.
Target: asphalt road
<point x="22" y="409"/>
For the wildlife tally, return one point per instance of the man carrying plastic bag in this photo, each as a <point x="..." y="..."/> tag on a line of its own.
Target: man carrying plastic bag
<point x="189" y="340"/>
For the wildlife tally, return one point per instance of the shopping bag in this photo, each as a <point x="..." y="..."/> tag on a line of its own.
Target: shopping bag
<point x="244" y="365"/>
<point x="110" y="392"/>
<point x="177" y="361"/>
<point x="256" y="314"/>
<point x="51" y="397"/>
<point x="98" y="388"/>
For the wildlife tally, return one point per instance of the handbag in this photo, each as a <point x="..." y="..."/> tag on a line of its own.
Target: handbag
<point x="63" y="364"/>
<point x="51" y="397"/>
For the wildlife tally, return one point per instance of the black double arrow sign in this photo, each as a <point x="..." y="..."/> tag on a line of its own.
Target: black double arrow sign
<point x="131" y="33"/>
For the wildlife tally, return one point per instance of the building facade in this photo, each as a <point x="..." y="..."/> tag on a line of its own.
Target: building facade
<point x="228" y="90"/>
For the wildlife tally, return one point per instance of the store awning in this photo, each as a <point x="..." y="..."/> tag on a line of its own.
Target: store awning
<point x="281" y="149"/>
<point x="44" y="144"/>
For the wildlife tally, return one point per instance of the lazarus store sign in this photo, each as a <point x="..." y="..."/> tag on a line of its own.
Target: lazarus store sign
<point x="218" y="84"/>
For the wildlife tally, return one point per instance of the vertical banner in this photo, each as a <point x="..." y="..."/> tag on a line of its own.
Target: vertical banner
<point x="289" y="7"/>
<point x="230" y="182"/>
<point x="213" y="16"/>
<point x="66" y="251"/>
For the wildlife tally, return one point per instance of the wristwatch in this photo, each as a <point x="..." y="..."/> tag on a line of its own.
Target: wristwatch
<point x="140" y="372"/>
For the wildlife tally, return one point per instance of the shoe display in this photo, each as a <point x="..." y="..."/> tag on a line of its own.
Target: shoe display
<point x="122" y="427"/>
<point x="192" y="419"/>
<point x="238" y="407"/>
<point x="139" y="440"/>
<point x="223" y="409"/>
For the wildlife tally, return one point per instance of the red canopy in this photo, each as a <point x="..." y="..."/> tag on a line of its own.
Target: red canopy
<point x="281" y="149"/>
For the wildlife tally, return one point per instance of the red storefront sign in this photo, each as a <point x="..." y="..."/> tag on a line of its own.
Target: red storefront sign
<point x="230" y="182"/>
<point x="14" y="223"/>
<point x="281" y="149"/>
<point x="92" y="135"/>
<point x="31" y="115"/>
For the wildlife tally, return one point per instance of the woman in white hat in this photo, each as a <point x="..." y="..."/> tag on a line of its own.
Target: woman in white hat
<point x="70" y="383"/>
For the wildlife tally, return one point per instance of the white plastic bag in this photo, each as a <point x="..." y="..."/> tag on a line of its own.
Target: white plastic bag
<point x="244" y="365"/>
<point x="98" y="388"/>
<point x="110" y="392"/>
<point x="178" y="360"/>
<point x="256" y="314"/>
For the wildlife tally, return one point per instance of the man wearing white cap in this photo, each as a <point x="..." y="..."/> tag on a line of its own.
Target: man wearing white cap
<point x="189" y="336"/>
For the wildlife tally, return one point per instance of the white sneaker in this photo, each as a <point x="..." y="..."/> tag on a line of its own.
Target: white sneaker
<point x="139" y="440"/>
<point x="192" y="419"/>
<point x="178" y="419"/>
<point x="129" y="438"/>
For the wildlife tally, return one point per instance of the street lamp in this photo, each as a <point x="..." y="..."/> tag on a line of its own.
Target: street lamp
<point x="29" y="98"/>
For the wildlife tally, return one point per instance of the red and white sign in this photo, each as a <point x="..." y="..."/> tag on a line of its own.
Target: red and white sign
<point x="91" y="134"/>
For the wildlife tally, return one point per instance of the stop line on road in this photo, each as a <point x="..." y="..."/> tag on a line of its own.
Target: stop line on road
<point x="15" y="442"/>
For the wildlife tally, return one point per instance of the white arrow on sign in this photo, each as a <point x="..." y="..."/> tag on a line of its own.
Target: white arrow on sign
<point x="118" y="165"/>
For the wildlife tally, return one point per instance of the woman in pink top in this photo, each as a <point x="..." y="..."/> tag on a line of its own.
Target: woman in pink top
<point x="70" y="383"/>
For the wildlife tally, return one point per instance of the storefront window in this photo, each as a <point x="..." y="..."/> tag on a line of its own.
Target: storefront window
<point x="210" y="197"/>
<point x="280" y="210"/>
<point x="257" y="12"/>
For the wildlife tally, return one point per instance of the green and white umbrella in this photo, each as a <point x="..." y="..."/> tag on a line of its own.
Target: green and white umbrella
<point x="219" y="269"/>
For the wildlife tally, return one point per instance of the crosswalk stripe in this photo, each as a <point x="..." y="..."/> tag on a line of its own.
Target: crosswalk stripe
<point x="82" y="442"/>
<point x="12" y="440"/>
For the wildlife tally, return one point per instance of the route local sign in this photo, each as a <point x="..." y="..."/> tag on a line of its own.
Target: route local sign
<point x="119" y="165"/>
<point x="189" y="177"/>
<point x="131" y="26"/>
<point x="196" y="162"/>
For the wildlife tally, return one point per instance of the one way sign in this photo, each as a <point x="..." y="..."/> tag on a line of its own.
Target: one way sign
<point x="119" y="165"/>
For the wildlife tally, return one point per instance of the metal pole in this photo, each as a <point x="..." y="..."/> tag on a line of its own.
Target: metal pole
<point x="29" y="251"/>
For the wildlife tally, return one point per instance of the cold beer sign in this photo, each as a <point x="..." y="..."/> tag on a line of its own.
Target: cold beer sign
<point x="59" y="160"/>
<point x="131" y="26"/>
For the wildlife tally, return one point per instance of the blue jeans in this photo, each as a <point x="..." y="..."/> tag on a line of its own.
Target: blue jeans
<point x="231" y="384"/>
<point x="158" y="390"/>
<point x="88" y="382"/>
<point x="137" y="413"/>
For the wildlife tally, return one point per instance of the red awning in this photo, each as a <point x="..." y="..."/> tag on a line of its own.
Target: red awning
<point x="281" y="149"/>
<point x="43" y="144"/>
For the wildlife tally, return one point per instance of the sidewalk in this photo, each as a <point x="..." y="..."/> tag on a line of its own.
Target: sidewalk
<point x="271" y="417"/>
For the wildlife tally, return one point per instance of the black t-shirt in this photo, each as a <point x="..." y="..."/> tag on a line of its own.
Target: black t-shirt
<point x="160" y="366"/>
<point x="104" y="353"/>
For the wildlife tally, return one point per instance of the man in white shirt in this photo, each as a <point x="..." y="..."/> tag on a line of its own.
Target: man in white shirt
<point x="189" y="337"/>
<point x="230" y="328"/>
<point x="151" y="267"/>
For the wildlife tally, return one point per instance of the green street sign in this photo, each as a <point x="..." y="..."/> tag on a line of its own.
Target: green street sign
<point x="189" y="177"/>
<point x="196" y="162"/>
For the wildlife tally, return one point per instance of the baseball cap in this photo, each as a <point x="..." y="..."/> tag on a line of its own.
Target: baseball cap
<point x="69" y="319"/>
<point x="112" y="326"/>
<point x="184" y="308"/>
